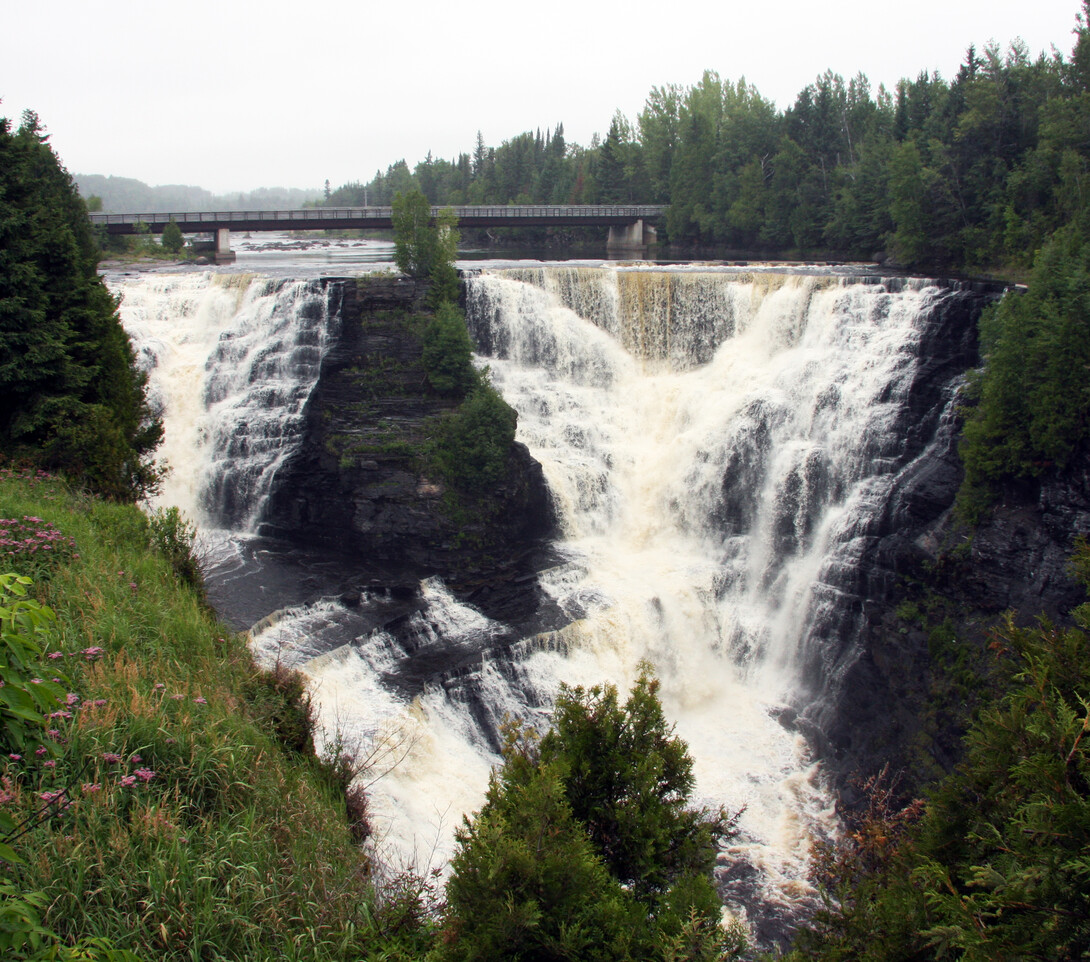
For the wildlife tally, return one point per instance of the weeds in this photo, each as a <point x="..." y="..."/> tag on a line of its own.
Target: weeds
<point x="176" y="810"/>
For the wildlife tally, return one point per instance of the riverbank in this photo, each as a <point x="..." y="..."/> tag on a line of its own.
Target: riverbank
<point x="176" y="807"/>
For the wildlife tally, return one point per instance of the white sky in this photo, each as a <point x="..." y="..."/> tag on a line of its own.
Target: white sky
<point x="239" y="94"/>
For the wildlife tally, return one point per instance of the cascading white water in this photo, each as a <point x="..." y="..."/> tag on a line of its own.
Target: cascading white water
<point x="231" y="360"/>
<point x="716" y="444"/>
<point x="708" y="507"/>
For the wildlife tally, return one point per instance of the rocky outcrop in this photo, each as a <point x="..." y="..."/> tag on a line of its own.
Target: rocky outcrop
<point x="357" y="485"/>
<point x="928" y="590"/>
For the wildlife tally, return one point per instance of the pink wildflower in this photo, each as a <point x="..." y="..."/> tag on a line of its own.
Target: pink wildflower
<point x="127" y="781"/>
<point x="53" y="733"/>
<point x="200" y="700"/>
<point x="49" y="764"/>
<point x="111" y="757"/>
<point x="15" y="758"/>
<point x="89" y="787"/>
<point x="144" y="774"/>
<point x="72" y="699"/>
<point x="54" y="655"/>
<point x="40" y="751"/>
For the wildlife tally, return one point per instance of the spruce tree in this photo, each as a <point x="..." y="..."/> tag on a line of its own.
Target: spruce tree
<point x="71" y="397"/>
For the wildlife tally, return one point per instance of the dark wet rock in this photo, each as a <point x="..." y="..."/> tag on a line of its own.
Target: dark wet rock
<point x="879" y="707"/>
<point x="356" y="487"/>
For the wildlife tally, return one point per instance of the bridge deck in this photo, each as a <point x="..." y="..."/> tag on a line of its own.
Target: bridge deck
<point x="343" y="218"/>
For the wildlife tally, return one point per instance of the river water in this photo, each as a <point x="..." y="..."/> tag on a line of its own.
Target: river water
<point x="715" y="440"/>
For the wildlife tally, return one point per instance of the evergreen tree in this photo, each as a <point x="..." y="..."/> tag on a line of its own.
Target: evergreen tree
<point x="172" y="239"/>
<point x="71" y="397"/>
<point x="448" y="352"/>
<point x="586" y="844"/>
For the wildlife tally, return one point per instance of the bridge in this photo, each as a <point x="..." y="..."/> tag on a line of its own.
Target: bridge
<point x="628" y="225"/>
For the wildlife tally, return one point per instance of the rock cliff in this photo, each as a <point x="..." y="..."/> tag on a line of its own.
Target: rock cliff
<point x="358" y="487"/>
<point x="928" y="590"/>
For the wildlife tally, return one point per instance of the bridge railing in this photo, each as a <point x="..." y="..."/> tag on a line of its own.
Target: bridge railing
<point x="376" y="216"/>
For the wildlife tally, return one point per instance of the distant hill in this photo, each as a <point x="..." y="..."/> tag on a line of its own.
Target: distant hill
<point x="125" y="195"/>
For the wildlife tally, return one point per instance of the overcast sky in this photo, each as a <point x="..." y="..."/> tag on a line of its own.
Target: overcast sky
<point x="239" y="94"/>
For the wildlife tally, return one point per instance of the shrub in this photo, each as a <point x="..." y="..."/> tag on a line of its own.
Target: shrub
<point x="472" y="444"/>
<point x="176" y="539"/>
<point x="172" y="239"/>
<point x="448" y="353"/>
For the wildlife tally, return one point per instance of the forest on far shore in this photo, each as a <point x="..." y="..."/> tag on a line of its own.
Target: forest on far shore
<point x="968" y="174"/>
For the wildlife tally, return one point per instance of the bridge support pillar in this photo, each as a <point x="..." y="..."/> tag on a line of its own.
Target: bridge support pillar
<point x="223" y="254"/>
<point x="632" y="237"/>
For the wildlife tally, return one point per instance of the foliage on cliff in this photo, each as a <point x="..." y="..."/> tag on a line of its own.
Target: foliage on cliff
<point x="426" y="249"/>
<point x="472" y="443"/>
<point x="71" y="397"/>
<point x="169" y="801"/>
<point x="447" y="353"/>
<point x="1032" y="398"/>
<point x="586" y="847"/>
<point x="996" y="867"/>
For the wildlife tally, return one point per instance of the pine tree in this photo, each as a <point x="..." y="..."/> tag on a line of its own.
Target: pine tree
<point x="586" y="844"/>
<point x="71" y="397"/>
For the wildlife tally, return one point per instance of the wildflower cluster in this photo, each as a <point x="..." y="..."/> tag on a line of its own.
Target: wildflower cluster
<point x="31" y="544"/>
<point x="27" y="475"/>
<point x="53" y="794"/>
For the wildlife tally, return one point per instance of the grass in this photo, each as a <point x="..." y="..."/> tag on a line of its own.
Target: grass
<point x="195" y="821"/>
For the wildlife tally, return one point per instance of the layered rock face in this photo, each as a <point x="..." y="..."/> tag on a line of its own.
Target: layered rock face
<point x="929" y="591"/>
<point x="356" y="485"/>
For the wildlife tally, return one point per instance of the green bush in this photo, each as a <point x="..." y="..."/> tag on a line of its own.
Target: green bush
<point x="586" y="847"/>
<point x="472" y="444"/>
<point x="172" y="239"/>
<point x="176" y="539"/>
<point x="448" y="353"/>
<point x="1032" y="397"/>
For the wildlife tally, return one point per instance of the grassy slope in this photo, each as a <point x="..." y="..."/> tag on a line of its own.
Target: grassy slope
<point x="237" y="847"/>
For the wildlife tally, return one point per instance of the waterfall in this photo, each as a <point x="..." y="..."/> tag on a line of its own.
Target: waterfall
<point x="718" y="445"/>
<point x="231" y="360"/>
<point x="715" y="477"/>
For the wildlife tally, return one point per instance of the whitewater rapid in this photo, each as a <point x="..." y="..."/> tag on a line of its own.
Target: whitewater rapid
<point x="716" y="445"/>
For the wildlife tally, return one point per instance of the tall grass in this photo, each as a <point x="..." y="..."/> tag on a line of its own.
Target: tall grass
<point x="193" y="820"/>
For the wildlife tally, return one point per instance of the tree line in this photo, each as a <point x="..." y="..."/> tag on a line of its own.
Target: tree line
<point x="967" y="174"/>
